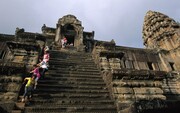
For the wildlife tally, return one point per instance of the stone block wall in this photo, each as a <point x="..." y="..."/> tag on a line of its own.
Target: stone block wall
<point x="134" y="75"/>
<point x="10" y="86"/>
<point x="19" y="55"/>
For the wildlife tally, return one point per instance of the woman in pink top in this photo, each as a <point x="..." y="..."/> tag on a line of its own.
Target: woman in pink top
<point x="36" y="72"/>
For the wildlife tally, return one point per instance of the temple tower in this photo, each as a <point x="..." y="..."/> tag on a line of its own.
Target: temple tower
<point x="163" y="33"/>
<point x="70" y="27"/>
<point x="160" y="31"/>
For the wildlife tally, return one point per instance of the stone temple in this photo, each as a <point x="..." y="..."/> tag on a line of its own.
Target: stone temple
<point x="90" y="75"/>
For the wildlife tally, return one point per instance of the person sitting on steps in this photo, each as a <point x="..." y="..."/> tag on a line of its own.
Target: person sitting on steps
<point x="46" y="57"/>
<point x="44" y="68"/>
<point x="64" y="42"/>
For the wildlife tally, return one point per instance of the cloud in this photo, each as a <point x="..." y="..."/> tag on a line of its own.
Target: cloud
<point x="120" y="20"/>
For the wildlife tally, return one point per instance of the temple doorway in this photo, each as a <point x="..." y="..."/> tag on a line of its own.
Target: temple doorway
<point x="69" y="32"/>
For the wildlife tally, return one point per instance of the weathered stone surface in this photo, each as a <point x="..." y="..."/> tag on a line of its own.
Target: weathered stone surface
<point x="123" y="90"/>
<point x="6" y="107"/>
<point x="157" y="29"/>
<point x="148" y="90"/>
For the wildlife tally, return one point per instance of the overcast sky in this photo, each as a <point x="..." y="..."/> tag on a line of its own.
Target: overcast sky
<point x="120" y="20"/>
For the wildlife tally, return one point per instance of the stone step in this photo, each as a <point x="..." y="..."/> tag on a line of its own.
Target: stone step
<point x="85" y="59"/>
<point x="68" y="95"/>
<point x="53" y="67"/>
<point x="74" y="60"/>
<point x="63" y="104"/>
<point x="70" y="61"/>
<point x="16" y="111"/>
<point x="75" y="56"/>
<point x="71" y="95"/>
<point x="63" y="53"/>
<point x="70" y="86"/>
<point x="78" y="91"/>
<point x="71" y="82"/>
<point x="58" y="56"/>
<point x="53" y="73"/>
<point x="19" y="106"/>
<point x="70" y="101"/>
<point x="76" y="79"/>
<point x="75" y="112"/>
<point x="72" y="75"/>
<point x="71" y="65"/>
<point x="71" y="109"/>
<point x="87" y="70"/>
<point x="75" y="70"/>
<point x="86" y="73"/>
<point x="80" y="67"/>
<point x="64" y="67"/>
<point x="67" y="55"/>
<point x="76" y="66"/>
<point x="70" y="53"/>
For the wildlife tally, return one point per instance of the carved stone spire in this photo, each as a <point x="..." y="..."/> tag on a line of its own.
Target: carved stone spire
<point x="159" y="31"/>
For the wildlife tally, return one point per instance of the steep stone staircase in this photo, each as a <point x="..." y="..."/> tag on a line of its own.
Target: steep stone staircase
<point x="72" y="84"/>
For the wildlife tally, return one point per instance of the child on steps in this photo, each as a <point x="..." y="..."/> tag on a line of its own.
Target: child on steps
<point x="29" y="87"/>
